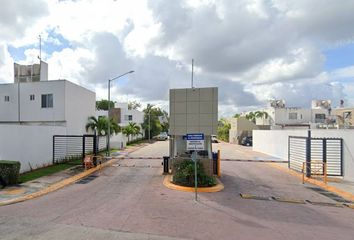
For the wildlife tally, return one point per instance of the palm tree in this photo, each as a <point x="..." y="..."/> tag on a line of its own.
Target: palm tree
<point x="261" y="114"/>
<point x="251" y="117"/>
<point x="131" y="130"/>
<point x="100" y="125"/>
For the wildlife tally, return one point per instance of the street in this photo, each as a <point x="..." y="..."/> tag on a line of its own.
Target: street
<point x="129" y="201"/>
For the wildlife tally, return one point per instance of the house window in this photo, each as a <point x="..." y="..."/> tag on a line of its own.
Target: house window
<point x="47" y="100"/>
<point x="320" y="118"/>
<point x="292" y="116"/>
<point x="7" y="98"/>
<point x="32" y="97"/>
<point x="128" y="117"/>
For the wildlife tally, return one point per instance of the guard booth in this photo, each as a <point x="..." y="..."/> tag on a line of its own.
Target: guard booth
<point x="193" y="111"/>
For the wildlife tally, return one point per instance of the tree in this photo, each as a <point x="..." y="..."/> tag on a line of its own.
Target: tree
<point x="155" y="125"/>
<point x="131" y="130"/>
<point x="223" y="129"/>
<point x="251" y="117"/>
<point x="100" y="125"/>
<point x="133" y="105"/>
<point x="103" y="104"/>
<point x="237" y="115"/>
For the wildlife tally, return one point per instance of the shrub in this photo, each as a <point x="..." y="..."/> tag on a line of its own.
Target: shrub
<point x="184" y="175"/>
<point x="10" y="171"/>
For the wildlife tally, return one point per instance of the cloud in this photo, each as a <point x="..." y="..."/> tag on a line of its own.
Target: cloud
<point x="17" y="16"/>
<point x="253" y="50"/>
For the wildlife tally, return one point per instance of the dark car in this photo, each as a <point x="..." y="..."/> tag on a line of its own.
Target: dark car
<point x="246" y="141"/>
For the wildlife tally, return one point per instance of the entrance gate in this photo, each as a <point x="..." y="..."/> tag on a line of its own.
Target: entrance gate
<point x="66" y="147"/>
<point x="306" y="149"/>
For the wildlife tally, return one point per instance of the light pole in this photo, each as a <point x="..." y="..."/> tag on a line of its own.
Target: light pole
<point x="109" y="108"/>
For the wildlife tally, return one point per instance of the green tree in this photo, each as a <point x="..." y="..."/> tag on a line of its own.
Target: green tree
<point x="131" y="130"/>
<point x="155" y="125"/>
<point x="223" y="129"/>
<point x="237" y="115"/>
<point x="251" y="116"/>
<point x="100" y="125"/>
<point x="133" y="105"/>
<point x="103" y="104"/>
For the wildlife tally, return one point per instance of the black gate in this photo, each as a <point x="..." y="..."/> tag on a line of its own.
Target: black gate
<point x="307" y="149"/>
<point x="67" y="147"/>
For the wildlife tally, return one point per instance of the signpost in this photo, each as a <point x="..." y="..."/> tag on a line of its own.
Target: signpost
<point x="195" y="142"/>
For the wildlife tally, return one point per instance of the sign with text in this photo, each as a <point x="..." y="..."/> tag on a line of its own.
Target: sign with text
<point x="195" y="141"/>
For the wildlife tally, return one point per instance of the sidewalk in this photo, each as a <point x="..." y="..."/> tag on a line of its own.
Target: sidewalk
<point x="53" y="182"/>
<point x="338" y="186"/>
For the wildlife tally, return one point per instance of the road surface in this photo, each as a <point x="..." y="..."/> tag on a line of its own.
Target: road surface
<point x="129" y="201"/>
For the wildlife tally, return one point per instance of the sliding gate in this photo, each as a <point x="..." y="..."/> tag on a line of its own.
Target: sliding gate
<point x="66" y="147"/>
<point x="307" y="149"/>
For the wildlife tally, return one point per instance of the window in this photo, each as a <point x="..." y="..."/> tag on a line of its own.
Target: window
<point x="32" y="97"/>
<point x="128" y="117"/>
<point x="7" y="98"/>
<point x="293" y="116"/>
<point x="47" y="100"/>
<point x="320" y="118"/>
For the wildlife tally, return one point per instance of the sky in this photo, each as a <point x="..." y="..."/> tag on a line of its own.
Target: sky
<point x="252" y="50"/>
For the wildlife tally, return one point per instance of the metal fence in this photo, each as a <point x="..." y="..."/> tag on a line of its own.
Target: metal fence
<point x="306" y="149"/>
<point x="67" y="147"/>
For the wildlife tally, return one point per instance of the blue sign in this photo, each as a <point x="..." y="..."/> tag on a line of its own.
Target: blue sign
<point x="195" y="136"/>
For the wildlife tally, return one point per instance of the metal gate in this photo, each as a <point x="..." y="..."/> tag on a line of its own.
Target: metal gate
<point x="66" y="147"/>
<point x="307" y="149"/>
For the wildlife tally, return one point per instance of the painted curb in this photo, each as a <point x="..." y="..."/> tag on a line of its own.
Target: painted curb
<point x="346" y="195"/>
<point x="167" y="182"/>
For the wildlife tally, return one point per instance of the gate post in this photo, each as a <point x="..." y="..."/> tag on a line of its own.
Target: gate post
<point x="324" y="153"/>
<point x="308" y="154"/>
<point x="95" y="145"/>
<point x="83" y="146"/>
<point x="53" y="149"/>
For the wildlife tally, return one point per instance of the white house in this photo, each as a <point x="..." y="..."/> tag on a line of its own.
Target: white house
<point x="33" y="109"/>
<point x="53" y="103"/>
<point x="280" y="116"/>
<point x="123" y="116"/>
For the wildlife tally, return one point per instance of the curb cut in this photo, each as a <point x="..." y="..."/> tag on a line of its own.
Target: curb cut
<point x="346" y="195"/>
<point x="167" y="182"/>
<point x="58" y="185"/>
<point x="65" y="182"/>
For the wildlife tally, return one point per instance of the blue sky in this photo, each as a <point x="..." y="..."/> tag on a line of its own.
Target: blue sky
<point x="339" y="57"/>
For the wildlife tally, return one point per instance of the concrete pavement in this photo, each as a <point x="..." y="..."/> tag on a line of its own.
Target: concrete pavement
<point x="132" y="199"/>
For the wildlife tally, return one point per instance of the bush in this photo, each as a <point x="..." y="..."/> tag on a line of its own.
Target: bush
<point x="9" y="171"/>
<point x="184" y="175"/>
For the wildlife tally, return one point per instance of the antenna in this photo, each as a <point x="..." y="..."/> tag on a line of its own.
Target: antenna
<point x="40" y="47"/>
<point x="192" y="72"/>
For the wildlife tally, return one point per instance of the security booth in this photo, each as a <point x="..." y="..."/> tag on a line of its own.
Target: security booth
<point x="193" y="119"/>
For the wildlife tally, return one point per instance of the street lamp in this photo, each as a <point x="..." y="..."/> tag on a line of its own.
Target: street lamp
<point x="109" y="108"/>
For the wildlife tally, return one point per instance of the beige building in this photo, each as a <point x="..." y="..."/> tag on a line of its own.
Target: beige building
<point x="344" y="117"/>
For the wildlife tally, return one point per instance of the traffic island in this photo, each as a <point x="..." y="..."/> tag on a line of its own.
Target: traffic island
<point x="169" y="184"/>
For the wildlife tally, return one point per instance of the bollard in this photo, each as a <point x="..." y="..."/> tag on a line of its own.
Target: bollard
<point x="165" y="165"/>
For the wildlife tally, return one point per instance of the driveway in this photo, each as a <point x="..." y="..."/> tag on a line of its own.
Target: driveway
<point x="129" y="201"/>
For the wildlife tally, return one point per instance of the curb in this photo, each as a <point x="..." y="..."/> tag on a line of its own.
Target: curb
<point x="342" y="193"/>
<point x="58" y="185"/>
<point x="167" y="182"/>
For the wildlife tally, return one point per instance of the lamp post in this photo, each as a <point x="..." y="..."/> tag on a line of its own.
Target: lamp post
<point x="109" y="108"/>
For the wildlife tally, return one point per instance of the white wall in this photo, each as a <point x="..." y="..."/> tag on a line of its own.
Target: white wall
<point x="80" y="104"/>
<point x="275" y="143"/>
<point x="8" y="110"/>
<point x="30" y="145"/>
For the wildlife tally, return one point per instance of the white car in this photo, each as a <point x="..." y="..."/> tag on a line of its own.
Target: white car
<point x="162" y="136"/>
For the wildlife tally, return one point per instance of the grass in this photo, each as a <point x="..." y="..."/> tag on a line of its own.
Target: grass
<point x="45" y="171"/>
<point x="136" y="142"/>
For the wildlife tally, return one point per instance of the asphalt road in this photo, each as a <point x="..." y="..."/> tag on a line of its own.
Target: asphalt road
<point x="129" y="201"/>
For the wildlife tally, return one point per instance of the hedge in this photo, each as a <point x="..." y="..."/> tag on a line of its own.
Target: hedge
<point x="9" y="171"/>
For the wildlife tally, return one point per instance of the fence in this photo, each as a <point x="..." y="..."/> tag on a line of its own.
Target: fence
<point x="66" y="147"/>
<point x="306" y="149"/>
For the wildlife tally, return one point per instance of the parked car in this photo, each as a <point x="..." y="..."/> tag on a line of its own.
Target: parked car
<point x="214" y="139"/>
<point x="162" y="136"/>
<point x="246" y="141"/>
